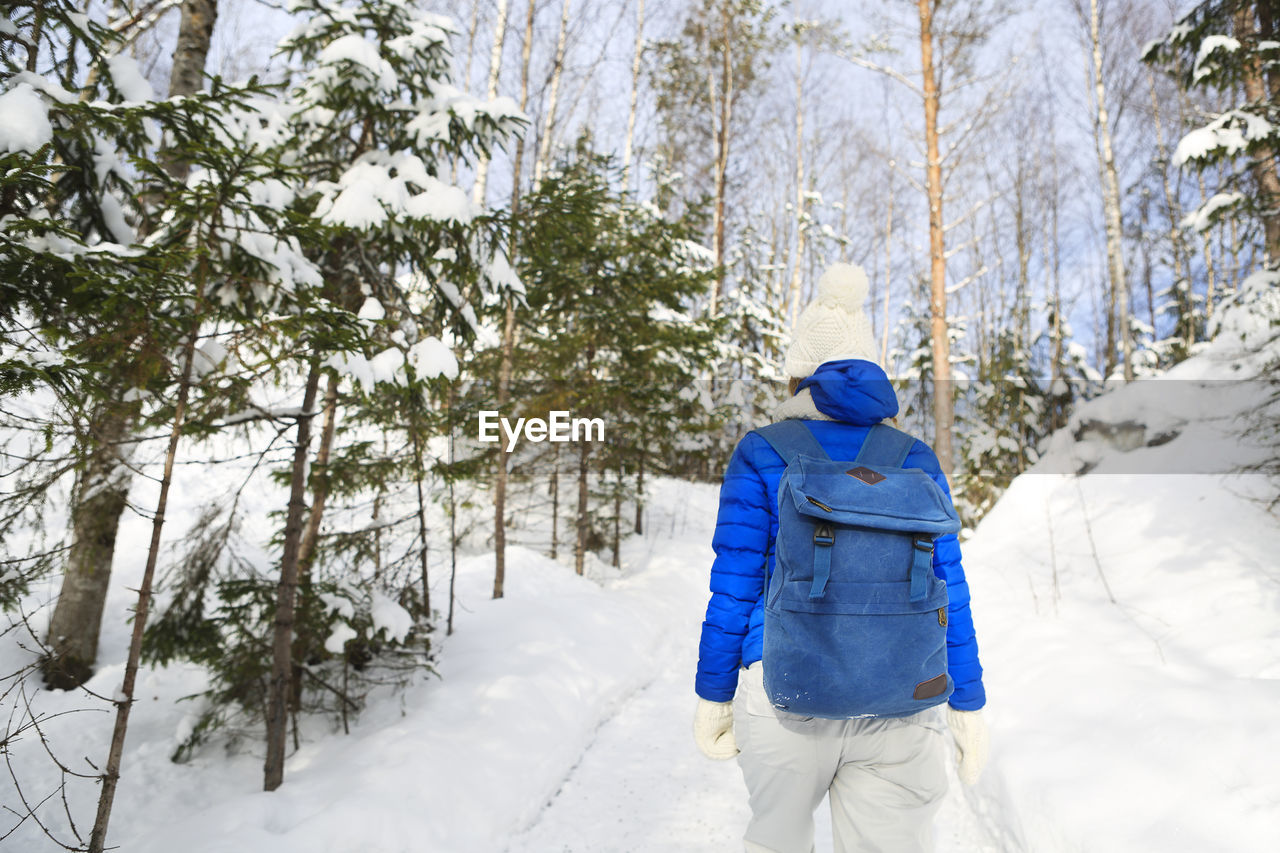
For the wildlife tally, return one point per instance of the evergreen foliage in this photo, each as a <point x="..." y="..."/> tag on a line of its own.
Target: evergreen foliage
<point x="1001" y="423"/>
<point x="606" y="328"/>
<point x="368" y="126"/>
<point x="1231" y="46"/>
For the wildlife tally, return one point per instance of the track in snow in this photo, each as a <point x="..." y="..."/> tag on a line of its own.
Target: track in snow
<point x="643" y="787"/>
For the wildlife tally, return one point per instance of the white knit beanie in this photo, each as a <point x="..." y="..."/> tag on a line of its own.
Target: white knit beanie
<point x="833" y="326"/>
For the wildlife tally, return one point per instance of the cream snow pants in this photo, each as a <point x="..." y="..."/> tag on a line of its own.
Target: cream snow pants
<point x="886" y="777"/>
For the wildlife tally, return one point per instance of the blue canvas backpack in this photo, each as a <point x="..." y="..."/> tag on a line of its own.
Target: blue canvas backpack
<point x="855" y="620"/>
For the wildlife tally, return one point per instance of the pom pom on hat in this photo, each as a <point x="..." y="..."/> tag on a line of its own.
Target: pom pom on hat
<point x="833" y="326"/>
<point x="843" y="286"/>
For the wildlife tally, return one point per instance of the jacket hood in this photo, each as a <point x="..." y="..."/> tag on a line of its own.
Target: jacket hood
<point x="852" y="390"/>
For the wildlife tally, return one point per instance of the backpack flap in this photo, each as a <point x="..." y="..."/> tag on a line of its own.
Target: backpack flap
<point x="832" y="495"/>
<point x="906" y="500"/>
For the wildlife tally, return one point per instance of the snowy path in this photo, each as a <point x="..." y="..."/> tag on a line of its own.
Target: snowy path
<point x="642" y="787"/>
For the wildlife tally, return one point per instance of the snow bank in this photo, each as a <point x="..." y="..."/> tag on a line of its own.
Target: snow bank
<point x="1127" y="625"/>
<point x="459" y="762"/>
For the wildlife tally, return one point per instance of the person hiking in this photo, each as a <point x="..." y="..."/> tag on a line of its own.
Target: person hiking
<point x="885" y="775"/>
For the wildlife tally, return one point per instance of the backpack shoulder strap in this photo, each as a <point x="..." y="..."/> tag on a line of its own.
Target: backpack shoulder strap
<point x="790" y="438"/>
<point x="885" y="445"/>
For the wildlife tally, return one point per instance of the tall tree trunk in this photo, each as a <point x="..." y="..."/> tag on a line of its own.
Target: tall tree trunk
<point x="96" y="510"/>
<point x="1173" y="213"/>
<point x="508" y="337"/>
<point x="557" y="70"/>
<point x="500" y="486"/>
<point x="195" y="32"/>
<point x="311" y="533"/>
<point x="888" y="275"/>
<point x="102" y="488"/>
<point x="555" y="501"/>
<point x="722" y="150"/>
<point x="1053" y="286"/>
<point x="1147" y="265"/>
<point x="472" y="27"/>
<point x="1257" y="91"/>
<point x="1022" y="244"/>
<point x="491" y="90"/>
<point x="418" y="474"/>
<point x="111" y="778"/>
<point x="796" y="272"/>
<point x="943" y="403"/>
<point x="637" y="56"/>
<point x="584" y="520"/>
<point x="639" y="528"/>
<point x="617" y="520"/>
<point x="319" y="479"/>
<point x="453" y="514"/>
<point x="1119" y="297"/>
<point x="286" y="593"/>
<point x="1210" y="265"/>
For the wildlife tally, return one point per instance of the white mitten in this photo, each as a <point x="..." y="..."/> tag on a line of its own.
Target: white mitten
<point x="713" y="729"/>
<point x="972" y="745"/>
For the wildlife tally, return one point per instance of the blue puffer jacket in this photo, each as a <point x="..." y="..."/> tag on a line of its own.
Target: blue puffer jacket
<point x="857" y="395"/>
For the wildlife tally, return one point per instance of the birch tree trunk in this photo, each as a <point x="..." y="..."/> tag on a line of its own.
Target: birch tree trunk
<point x="888" y="273"/>
<point x="1053" y="286"/>
<point x="557" y="70"/>
<point x="722" y="152"/>
<point x="1210" y="265"/>
<point x="286" y="594"/>
<point x="796" y="276"/>
<point x="195" y="32"/>
<point x="508" y="339"/>
<point x="466" y="75"/>
<point x="943" y="404"/>
<point x="1119" y="297"/>
<point x="629" y="148"/>
<point x="500" y="486"/>
<point x="491" y="90"/>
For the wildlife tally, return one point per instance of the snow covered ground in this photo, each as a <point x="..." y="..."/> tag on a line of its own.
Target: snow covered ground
<point x="1127" y="621"/>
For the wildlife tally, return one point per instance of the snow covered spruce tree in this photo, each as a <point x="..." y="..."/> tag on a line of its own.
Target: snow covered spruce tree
<point x="58" y="258"/>
<point x="105" y="259"/>
<point x="1003" y="413"/>
<point x="606" y="330"/>
<point x="372" y="122"/>
<point x="1233" y="47"/>
<point x="143" y="272"/>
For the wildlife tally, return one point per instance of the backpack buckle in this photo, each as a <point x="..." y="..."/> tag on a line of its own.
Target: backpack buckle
<point x="823" y="535"/>
<point x="922" y="543"/>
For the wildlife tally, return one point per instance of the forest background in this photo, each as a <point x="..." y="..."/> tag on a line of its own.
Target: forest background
<point x="341" y="230"/>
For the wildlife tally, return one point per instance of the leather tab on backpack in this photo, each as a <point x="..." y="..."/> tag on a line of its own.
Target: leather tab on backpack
<point x="932" y="687"/>
<point x="866" y="475"/>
